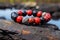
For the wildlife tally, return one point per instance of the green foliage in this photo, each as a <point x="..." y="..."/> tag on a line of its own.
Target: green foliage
<point x="28" y="0"/>
<point x="11" y="1"/>
<point x="39" y="1"/>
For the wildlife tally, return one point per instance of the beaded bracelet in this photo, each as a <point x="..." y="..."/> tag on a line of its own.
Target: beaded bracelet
<point x="30" y="16"/>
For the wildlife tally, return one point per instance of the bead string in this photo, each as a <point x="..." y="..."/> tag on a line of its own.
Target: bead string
<point x="31" y="17"/>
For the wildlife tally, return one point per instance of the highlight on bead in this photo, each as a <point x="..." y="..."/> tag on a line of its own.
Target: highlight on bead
<point x="43" y="14"/>
<point x="20" y="12"/>
<point x="25" y="20"/>
<point x="37" y="20"/>
<point x="14" y="15"/>
<point x="29" y="12"/>
<point x="34" y="13"/>
<point x="47" y="16"/>
<point x="39" y="13"/>
<point x="19" y="19"/>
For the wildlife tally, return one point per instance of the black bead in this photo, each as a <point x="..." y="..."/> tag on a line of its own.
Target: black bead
<point x="34" y="13"/>
<point x="14" y="16"/>
<point x="43" y="21"/>
<point x="23" y="12"/>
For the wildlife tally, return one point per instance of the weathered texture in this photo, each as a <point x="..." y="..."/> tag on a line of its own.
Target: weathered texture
<point x="14" y="31"/>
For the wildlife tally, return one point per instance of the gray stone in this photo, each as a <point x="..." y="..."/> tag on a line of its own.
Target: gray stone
<point x="10" y="30"/>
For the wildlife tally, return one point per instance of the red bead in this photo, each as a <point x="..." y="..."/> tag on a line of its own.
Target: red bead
<point x="37" y="20"/>
<point x="47" y="17"/>
<point x="29" y="12"/>
<point x="20" y="12"/>
<point x="19" y="19"/>
<point x="30" y="20"/>
<point x="39" y="14"/>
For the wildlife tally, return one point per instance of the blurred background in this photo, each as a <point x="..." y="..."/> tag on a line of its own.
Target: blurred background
<point x="11" y="3"/>
<point x="4" y="2"/>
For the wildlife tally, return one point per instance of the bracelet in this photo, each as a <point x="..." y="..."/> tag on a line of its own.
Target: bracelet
<point x="31" y="17"/>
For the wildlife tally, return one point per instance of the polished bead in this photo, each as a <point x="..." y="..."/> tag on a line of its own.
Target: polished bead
<point x="37" y="20"/>
<point x="14" y="16"/>
<point x="19" y="19"/>
<point x="34" y="13"/>
<point x="29" y="12"/>
<point x="39" y="13"/>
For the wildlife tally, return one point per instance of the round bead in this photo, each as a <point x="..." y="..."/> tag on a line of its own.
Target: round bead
<point x="24" y="12"/>
<point x="29" y="12"/>
<point x="47" y="16"/>
<point x="30" y="20"/>
<point x="34" y="12"/>
<point x="19" y="19"/>
<point x="25" y="19"/>
<point x="39" y="14"/>
<point x="37" y="20"/>
<point x="42" y="21"/>
<point x="20" y="12"/>
<point x="14" y="15"/>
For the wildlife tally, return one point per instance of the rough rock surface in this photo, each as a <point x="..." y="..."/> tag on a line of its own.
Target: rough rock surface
<point x="14" y="31"/>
